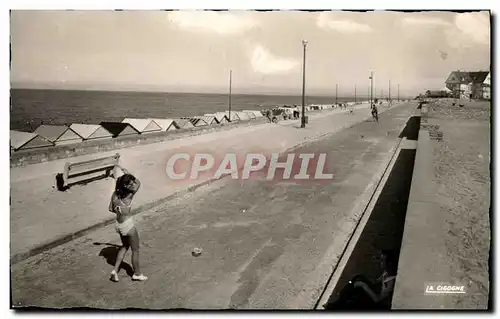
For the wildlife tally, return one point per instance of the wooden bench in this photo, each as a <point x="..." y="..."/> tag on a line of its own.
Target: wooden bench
<point x="89" y="170"/>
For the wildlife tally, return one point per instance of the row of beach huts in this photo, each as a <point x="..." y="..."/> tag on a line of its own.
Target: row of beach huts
<point x="53" y="135"/>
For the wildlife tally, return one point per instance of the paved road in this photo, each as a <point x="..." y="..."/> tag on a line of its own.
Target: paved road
<point x="265" y="244"/>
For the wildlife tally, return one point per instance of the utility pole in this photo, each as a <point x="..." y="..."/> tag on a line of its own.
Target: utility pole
<point x="303" y="121"/>
<point x="230" y="88"/>
<point x="398" y="92"/>
<point x="389" y="90"/>
<point x="354" y="93"/>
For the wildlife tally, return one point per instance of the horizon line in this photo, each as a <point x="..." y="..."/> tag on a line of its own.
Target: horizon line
<point x="285" y="92"/>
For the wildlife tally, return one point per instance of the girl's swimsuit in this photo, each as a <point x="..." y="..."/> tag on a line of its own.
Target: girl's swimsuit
<point x="124" y="227"/>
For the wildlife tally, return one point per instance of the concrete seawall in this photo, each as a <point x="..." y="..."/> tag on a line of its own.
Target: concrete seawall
<point x="33" y="156"/>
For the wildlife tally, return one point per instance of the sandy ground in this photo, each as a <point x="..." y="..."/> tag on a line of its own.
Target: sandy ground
<point x="462" y="171"/>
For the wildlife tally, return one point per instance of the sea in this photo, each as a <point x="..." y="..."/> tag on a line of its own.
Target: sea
<point x="30" y="108"/>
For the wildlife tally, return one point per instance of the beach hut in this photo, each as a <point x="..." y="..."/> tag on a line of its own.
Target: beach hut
<point x="243" y="116"/>
<point x="143" y="125"/>
<point x="256" y="113"/>
<point x="184" y="123"/>
<point x="167" y="124"/>
<point x="234" y="116"/>
<point x="209" y="119"/>
<point x="23" y="140"/>
<point x="196" y="121"/>
<point x="58" y="134"/>
<point x="118" y="129"/>
<point x="90" y="131"/>
<point x="219" y="117"/>
<point x="251" y="115"/>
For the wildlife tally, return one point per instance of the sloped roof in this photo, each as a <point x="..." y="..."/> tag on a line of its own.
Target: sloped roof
<point x="478" y="77"/>
<point x="119" y="129"/>
<point x="234" y="116"/>
<point x="84" y="130"/>
<point x="196" y="121"/>
<point x="90" y="131"/>
<point x="243" y="116"/>
<point x="183" y="123"/>
<point x="166" y="123"/>
<point x="251" y="115"/>
<point x="51" y="132"/>
<point x="207" y="118"/>
<point x="458" y="76"/>
<point x="69" y="136"/>
<point x="220" y="116"/>
<point x="467" y="77"/>
<point x="142" y="125"/>
<point x="19" y="140"/>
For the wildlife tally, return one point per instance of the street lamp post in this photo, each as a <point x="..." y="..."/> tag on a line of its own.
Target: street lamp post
<point x="230" y="88"/>
<point x="303" y="120"/>
<point x="371" y="89"/>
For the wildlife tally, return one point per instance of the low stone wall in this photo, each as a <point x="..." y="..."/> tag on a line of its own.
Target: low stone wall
<point x="34" y="156"/>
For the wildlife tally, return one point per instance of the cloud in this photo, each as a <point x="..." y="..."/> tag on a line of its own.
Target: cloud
<point x="346" y="26"/>
<point x="474" y="25"/>
<point x="265" y="62"/>
<point x="223" y="23"/>
<point x="424" y="21"/>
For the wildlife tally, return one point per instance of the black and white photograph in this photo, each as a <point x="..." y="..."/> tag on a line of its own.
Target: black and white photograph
<point x="244" y="159"/>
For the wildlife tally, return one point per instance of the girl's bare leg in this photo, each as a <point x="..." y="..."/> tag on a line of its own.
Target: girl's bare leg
<point x="119" y="258"/>
<point x="134" y="244"/>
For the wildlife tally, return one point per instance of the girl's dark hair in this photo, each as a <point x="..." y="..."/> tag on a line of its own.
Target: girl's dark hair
<point x="121" y="185"/>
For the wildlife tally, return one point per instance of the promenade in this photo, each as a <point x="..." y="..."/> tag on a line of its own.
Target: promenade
<point x="265" y="245"/>
<point x="41" y="215"/>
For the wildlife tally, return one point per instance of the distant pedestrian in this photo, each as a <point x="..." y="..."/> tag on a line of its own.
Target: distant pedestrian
<point x="268" y="115"/>
<point x="296" y="112"/>
<point x="126" y="187"/>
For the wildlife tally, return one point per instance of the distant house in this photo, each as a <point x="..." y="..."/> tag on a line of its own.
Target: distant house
<point x="487" y="87"/>
<point x="467" y="84"/>
<point x="436" y="94"/>
<point x="23" y="140"/>
<point x="58" y="134"/>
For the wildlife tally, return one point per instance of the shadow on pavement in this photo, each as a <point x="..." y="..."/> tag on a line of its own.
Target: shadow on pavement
<point x="383" y="232"/>
<point x="110" y="252"/>
<point x="411" y="129"/>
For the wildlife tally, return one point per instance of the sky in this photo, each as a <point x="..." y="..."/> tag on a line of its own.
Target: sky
<point x="193" y="51"/>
